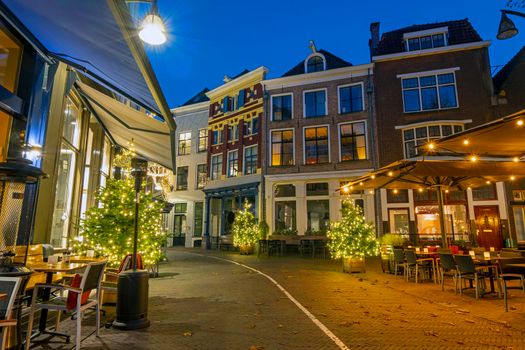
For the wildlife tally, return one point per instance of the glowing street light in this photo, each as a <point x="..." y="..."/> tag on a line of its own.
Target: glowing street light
<point x="152" y="29"/>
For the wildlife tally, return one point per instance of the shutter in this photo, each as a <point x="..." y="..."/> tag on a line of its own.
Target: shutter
<point x="240" y="101"/>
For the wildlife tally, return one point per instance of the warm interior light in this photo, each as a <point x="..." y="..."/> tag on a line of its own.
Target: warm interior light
<point x="520" y="122"/>
<point x="512" y="178"/>
<point x="373" y="177"/>
<point x="420" y="189"/>
<point x="360" y="184"/>
<point x="346" y="189"/>
<point x="469" y="188"/>
<point x="473" y="158"/>
<point x="515" y="159"/>
<point x="395" y="191"/>
<point x="488" y="182"/>
<point x="371" y="192"/>
<point x="431" y="145"/>
<point x="390" y="173"/>
<point x="465" y="142"/>
<point x="446" y="191"/>
<point x="152" y="30"/>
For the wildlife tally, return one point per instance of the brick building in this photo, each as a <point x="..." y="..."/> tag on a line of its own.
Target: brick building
<point x="234" y="162"/>
<point x="318" y="119"/>
<point x="431" y="81"/>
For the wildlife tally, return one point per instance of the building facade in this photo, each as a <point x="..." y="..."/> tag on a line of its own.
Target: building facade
<point x="186" y="220"/>
<point x="431" y="81"/>
<point x="234" y="151"/>
<point x="318" y="135"/>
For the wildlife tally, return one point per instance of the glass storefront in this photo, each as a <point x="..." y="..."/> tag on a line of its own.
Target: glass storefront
<point x="285" y="216"/>
<point x="398" y="219"/>
<point x="519" y="221"/>
<point x="318" y="213"/>
<point x="456" y="221"/>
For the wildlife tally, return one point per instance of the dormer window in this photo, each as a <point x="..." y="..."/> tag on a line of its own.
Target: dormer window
<point x="426" y="39"/>
<point x="315" y="63"/>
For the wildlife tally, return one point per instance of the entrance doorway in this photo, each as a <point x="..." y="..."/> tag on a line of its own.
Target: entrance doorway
<point x="179" y="227"/>
<point x="488" y="227"/>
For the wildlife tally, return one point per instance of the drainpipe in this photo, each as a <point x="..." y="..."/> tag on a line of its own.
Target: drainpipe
<point x="264" y="164"/>
<point x="374" y="153"/>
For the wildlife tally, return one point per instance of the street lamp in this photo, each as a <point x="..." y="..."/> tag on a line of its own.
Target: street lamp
<point x="152" y="29"/>
<point x="507" y="29"/>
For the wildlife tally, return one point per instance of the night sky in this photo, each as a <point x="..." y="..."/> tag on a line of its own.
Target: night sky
<point x="211" y="38"/>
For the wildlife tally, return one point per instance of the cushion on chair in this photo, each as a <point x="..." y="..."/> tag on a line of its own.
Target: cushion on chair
<point x="126" y="263"/>
<point x="72" y="296"/>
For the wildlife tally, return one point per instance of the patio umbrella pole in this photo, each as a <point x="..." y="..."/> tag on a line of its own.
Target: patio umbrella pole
<point x="441" y="216"/>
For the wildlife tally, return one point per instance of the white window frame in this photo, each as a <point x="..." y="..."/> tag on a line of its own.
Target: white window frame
<point x="304" y="143"/>
<point x="228" y="163"/>
<point x="221" y="134"/>
<point x="178" y="142"/>
<point x="244" y="159"/>
<point x="310" y="56"/>
<point x="366" y="138"/>
<point x="250" y="121"/>
<point x="422" y="33"/>
<point x="235" y="126"/>
<point x="207" y="140"/>
<point x="339" y="87"/>
<point x="211" y="166"/>
<point x="426" y="74"/>
<point x="197" y="176"/>
<point x="325" y="103"/>
<point x="271" y="105"/>
<point x="428" y="137"/>
<point x="271" y="143"/>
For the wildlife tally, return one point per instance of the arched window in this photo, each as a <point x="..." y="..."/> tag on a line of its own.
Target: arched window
<point x="315" y="64"/>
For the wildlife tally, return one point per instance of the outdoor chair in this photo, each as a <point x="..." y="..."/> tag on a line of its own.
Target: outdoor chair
<point x="468" y="271"/>
<point x="417" y="265"/>
<point x="508" y="275"/>
<point x="8" y="286"/>
<point x="447" y="267"/>
<point x="77" y="300"/>
<point x="305" y="247"/>
<point x="399" y="261"/>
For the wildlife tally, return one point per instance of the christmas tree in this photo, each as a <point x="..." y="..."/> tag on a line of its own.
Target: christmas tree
<point x="244" y="229"/>
<point x="108" y="228"/>
<point x="352" y="237"/>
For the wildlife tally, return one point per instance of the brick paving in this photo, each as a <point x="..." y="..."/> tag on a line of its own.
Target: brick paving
<point x="202" y="303"/>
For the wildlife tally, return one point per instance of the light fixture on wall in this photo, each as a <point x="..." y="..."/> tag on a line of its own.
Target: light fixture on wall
<point x="507" y="29"/>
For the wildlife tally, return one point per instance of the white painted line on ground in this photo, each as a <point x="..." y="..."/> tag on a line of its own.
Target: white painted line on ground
<point x="314" y="319"/>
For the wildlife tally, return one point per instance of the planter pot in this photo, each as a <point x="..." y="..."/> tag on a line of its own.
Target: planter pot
<point x="246" y="249"/>
<point x="352" y="265"/>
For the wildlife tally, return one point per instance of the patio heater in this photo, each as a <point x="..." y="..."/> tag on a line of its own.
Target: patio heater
<point x="133" y="285"/>
<point x="18" y="180"/>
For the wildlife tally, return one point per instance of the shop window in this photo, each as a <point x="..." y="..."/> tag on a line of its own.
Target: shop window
<point x="5" y="129"/>
<point x="399" y="220"/>
<point x="397" y="196"/>
<point x="456" y="222"/>
<point x="318" y="213"/>
<point x="317" y="189"/>
<point x="10" y="57"/>
<point x="285" y="191"/>
<point x="285" y="216"/>
<point x="484" y="193"/>
<point x="519" y="221"/>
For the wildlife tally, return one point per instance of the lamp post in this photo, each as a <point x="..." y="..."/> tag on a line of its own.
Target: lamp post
<point x="507" y="29"/>
<point x="152" y="29"/>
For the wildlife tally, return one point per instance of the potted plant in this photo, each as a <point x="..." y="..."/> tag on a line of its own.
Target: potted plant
<point x="352" y="239"/>
<point x="389" y="241"/>
<point x="246" y="232"/>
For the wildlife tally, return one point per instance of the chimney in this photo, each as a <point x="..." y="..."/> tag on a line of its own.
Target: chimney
<point x="373" y="43"/>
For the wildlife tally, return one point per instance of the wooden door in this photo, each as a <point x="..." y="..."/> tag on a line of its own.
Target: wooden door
<point x="488" y="227"/>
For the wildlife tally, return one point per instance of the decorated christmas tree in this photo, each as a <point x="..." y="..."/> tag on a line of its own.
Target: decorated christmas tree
<point x="352" y="236"/>
<point x="108" y="227"/>
<point x="244" y="229"/>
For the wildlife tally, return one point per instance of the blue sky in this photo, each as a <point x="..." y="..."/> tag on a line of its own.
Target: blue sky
<point x="211" y="38"/>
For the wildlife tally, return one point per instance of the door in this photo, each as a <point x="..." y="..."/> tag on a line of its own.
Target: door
<point x="179" y="234"/>
<point x="488" y="227"/>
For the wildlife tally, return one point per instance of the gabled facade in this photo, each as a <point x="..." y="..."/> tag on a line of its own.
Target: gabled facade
<point x="431" y="81"/>
<point x="319" y="119"/>
<point x="234" y="151"/>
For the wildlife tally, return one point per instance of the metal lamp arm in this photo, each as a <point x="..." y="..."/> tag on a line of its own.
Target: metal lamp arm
<point x="515" y="13"/>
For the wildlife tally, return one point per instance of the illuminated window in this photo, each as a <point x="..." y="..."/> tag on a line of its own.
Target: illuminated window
<point x="184" y="143"/>
<point x="282" y="147"/>
<point x="352" y="141"/>
<point x="10" y="57"/>
<point x="414" y="137"/>
<point x="233" y="163"/>
<point x="316" y="145"/>
<point x="182" y="178"/>
<point x="216" y="166"/>
<point x="203" y="140"/>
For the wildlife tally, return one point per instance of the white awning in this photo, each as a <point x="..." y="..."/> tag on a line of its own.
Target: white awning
<point x="151" y="137"/>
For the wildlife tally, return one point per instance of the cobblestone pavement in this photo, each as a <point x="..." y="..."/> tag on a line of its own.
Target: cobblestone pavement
<point x="203" y="303"/>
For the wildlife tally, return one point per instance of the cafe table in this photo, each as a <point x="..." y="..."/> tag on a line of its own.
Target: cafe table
<point x="81" y="259"/>
<point x="50" y="270"/>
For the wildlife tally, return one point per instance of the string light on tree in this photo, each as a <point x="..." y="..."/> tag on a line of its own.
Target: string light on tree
<point x="244" y="229"/>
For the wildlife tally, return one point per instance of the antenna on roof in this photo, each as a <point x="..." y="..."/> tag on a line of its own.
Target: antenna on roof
<point x="312" y="46"/>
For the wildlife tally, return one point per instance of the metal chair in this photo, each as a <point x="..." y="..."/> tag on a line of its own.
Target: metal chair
<point x="399" y="261"/>
<point x="91" y="280"/>
<point x="8" y="286"/>
<point x="447" y="267"/>
<point x="413" y="263"/>
<point x="468" y="271"/>
<point x="507" y="275"/>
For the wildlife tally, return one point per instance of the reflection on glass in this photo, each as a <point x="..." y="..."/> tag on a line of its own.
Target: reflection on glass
<point x="285" y="216"/>
<point x="398" y="221"/>
<point x="456" y="222"/>
<point x="71" y="131"/>
<point x="519" y="221"/>
<point x="318" y="215"/>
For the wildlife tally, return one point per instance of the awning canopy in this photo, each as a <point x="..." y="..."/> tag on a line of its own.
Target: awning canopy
<point x="150" y="136"/>
<point x="446" y="172"/>
<point x="504" y="138"/>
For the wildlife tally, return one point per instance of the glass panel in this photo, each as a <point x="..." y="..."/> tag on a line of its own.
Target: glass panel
<point x="426" y="42"/>
<point x="71" y="130"/>
<point x="446" y="130"/>
<point x="446" y="78"/>
<point x="315" y="104"/>
<point x="216" y="166"/>
<point x="63" y="192"/>
<point x="198" y="218"/>
<point x="285" y="191"/>
<point x="438" y="40"/>
<point x="10" y="55"/>
<point x="519" y="222"/>
<point x="315" y="64"/>
<point x="397" y="196"/>
<point x="410" y="83"/>
<point x="484" y="193"/>
<point x="318" y="213"/>
<point x="282" y="107"/>
<point x="285" y="216"/>
<point x="233" y="163"/>
<point x="184" y="143"/>
<point x="408" y="134"/>
<point x="447" y="96"/>
<point x="410" y="149"/>
<point x="411" y="100"/>
<point x="203" y="140"/>
<point x="202" y="175"/>
<point x="413" y="44"/>
<point x="429" y="98"/>
<point x="250" y="160"/>
<point x="317" y="189"/>
<point x="427" y="218"/>
<point x="106" y="155"/>
<point x="421" y="132"/>
<point x="433" y="131"/>
<point x="399" y="222"/>
<point x="182" y="178"/>
<point x="5" y="129"/>
<point x="458" y="128"/>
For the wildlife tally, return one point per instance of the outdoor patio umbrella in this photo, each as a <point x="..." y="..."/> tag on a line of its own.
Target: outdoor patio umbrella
<point x="439" y="173"/>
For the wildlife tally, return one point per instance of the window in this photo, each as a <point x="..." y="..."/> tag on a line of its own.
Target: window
<point x="352" y="140"/>
<point x="233" y="132"/>
<point x="316" y="145"/>
<point x="198" y="219"/>
<point x="317" y="189"/>
<point x="202" y="175"/>
<point x="315" y="104"/>
<point x="216" y="137"/>
<point x="282" y="107"/>
<point x="519" y="221"/>
<point x="182" y="178"/>
<point x="250" y="160"/>
<point x="233" y="163"/>
<point x="284" y="191"/>
<point x="398" y="219"/>
<point x="203" y="140"/>
<point x="180" y="208"/>
<point x="318" y="213"/>
<point x="456" y="222"/>
<point x="251" y="127"/>
<point x="227" y="104"/>
<point x="216" y="166"/>
<point x="350" y="99"/>
<point x="282" y="147"/>
<point x="426" y="42"/>
<point x="315" y="64"/>
<point x="414" y="137"/>
<point x="431" y="92"/>
<point x="484" y="193"/>
<point x="184" y="143"/>
<point x="285" y="216"/>
<point x="397" y="196"/>
<point x="10" y="57"/>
